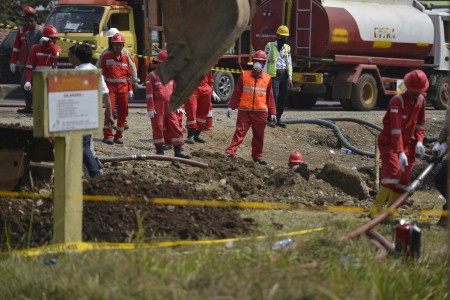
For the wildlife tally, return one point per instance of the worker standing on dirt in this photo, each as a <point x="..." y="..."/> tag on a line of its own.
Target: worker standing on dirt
<point x="298" y="165"/>
<point x="134" y="78"/>
<point x="81" y="58"/>
<point x="27" y="36"/>
<point x="401" y="138"/>
<point x="279" y="67"/>
<point x="197" y="108"/>
<point x="43" y="56"/>
<point x="253" y="96"/>
<point x="117" y="73"/>
<point x="165" y="124"/>
<point x="440" y="179"/>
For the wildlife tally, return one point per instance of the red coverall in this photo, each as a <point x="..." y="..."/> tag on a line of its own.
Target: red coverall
<point x="403" y="127"/>
<point x="42" y="57"/>
<point x="19" y="46"/>
<point x="165" y="124"/>
<point x="117" y="73"/>
<point x="259" y="87"/>
<point x="197" y="106"/>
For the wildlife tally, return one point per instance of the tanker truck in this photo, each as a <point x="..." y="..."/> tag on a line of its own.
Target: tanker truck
<point x="358" y="51"/>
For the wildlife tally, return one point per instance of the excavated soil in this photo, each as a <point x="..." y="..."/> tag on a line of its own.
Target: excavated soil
<point x="28" y="221"/>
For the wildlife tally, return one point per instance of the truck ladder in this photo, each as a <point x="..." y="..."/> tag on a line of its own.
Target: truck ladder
<point x="303" y="24"/>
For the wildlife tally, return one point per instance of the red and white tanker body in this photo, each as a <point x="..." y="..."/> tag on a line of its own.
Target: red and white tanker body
<point x="357" y="51"/>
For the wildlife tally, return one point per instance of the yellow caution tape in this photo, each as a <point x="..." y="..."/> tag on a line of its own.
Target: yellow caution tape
<point x="227" y="70"/>
<point x="82" y="246"/>
<point x="3" y="25"/>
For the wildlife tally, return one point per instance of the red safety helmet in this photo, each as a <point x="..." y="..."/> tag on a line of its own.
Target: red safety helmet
<point x="416" y="81"/>
<point x="50" y="31"/>
<point x="28" y="10"/>
<point x="296" y="157"/>
<point x="259" y="55"/>
<point x="162" y="55"/>
<point x="118" y="38"/>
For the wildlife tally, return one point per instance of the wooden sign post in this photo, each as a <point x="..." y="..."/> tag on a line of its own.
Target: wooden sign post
<point x="67" y="105"/>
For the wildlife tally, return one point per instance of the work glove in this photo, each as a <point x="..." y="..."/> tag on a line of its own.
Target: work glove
<point x="402" y="161"/>
<point x="229" y="112"/>
<point x="181" y="111"/>
<point x="27" y="86"/>
<point x="215" y="96"/>
<point x="151" y="113"/>
<point x="439" y="149"/>
<point x="420" y="149"/>
<point x="130" y="95"/>
<point x="273" y="118"/>
<point x="12" y="67"/>
<point x="44" y="40"/>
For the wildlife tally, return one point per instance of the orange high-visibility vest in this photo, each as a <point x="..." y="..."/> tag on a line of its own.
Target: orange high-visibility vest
<point x="254" y="90"/>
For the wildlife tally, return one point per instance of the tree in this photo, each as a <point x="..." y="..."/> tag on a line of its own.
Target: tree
<point x="11" y="10"/>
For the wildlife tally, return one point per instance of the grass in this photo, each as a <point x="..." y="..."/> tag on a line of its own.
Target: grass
<point x="316" y="267"/>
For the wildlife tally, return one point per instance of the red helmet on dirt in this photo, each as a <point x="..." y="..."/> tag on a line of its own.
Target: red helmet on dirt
<point x="259" y="55"/>
<point x="416" y="81"/>
<point x="50" y="31"/>
<point x="118" y="38"/>
<point x="28" y="10"/>
<point x="296" y="157"/>
<point x="162" y="55"/>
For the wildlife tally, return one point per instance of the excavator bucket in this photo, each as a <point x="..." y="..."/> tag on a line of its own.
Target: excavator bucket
<point x="198" y="32"/>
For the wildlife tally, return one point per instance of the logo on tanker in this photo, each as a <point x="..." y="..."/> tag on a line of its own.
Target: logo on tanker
<point x="384" y="33"/>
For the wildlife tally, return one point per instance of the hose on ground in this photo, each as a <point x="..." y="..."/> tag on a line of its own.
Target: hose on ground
<point x="153" y="157"/>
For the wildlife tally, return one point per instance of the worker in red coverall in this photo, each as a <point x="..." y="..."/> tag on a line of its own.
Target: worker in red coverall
<point x="19" y="46"/>
<point x="400" y="139"/>
<point x="43" y="56"/>
<point x="164" y="123"/>
<point x="197" y="108"/>
<point x="117" y="72"/>
<point x="253" y="96"/>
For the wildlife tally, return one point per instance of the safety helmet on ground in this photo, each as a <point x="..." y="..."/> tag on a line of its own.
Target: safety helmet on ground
<point x="259" y="55"/>
<point x="50" y="31"/>
<point x="118" y="38"/>
<point x="416" y="81"/>
<point x="283" y="30"/>
<point x="28" y="10"/>
<point x="112" y="32"/>
<point x="162" y="55"/>
<point x="296" y="157"/>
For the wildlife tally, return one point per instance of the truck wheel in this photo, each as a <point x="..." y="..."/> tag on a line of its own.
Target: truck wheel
<point x="301" y="101"/>
<point x="442" y="98"/>
<point x="364" y="93"/>
<point x="346" y="104"/>
<point x="223" y="85"/>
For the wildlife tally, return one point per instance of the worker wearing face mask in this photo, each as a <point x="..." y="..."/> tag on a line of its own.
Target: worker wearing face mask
<point x="279" y="67"/>
<point x="253" y="97"/>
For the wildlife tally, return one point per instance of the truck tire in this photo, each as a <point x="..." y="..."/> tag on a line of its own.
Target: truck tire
<point x="346" y="104"/>
<point x="223" y="86"/>
<point x="364" y="93"/>
<point x="301" y="101"/>
<point x="442" y="98"/>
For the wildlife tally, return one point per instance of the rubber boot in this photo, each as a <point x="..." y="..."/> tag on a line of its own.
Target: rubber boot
<point x="197" y="137"/>
<point x="178" y="153"/>
<point x="190" y="137"/>
<point x="159" y="150"/>
<point x="380" y="200"/>
<point x="393" y="196"/>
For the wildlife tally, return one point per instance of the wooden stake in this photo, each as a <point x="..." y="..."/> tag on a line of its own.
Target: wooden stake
<point x="377" y="165"/>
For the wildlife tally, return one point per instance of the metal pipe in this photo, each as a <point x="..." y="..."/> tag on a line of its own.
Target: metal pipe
<point x="153" y="157"/>
<point x="400" y="201"/>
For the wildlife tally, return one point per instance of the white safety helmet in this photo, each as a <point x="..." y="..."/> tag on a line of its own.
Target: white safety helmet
<point x="112" y="32"/>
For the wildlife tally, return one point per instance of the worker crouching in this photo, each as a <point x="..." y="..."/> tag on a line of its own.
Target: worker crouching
<point x="253" y="96"/>
<point x="401" y="138"/>
<point x="165" y="124"/>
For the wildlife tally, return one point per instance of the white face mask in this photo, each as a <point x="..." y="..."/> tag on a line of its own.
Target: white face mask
<point x="257" y="66"/>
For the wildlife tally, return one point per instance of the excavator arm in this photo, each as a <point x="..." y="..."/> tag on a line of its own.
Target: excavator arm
<point x="198" y="32"/>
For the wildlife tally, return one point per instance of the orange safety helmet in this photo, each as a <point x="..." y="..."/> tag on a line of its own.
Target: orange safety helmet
<point x="50" y="31"/>
<point x="416" y="81"/>
<point x="296" y="157"/>
<point x="28" y="10"/>
<point x="259" y="55"/>
<point x="162" y="55"/>
<point x="118" y="38"/>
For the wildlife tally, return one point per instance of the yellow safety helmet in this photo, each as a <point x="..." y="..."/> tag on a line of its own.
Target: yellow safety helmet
<point x="283" y="30"/>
